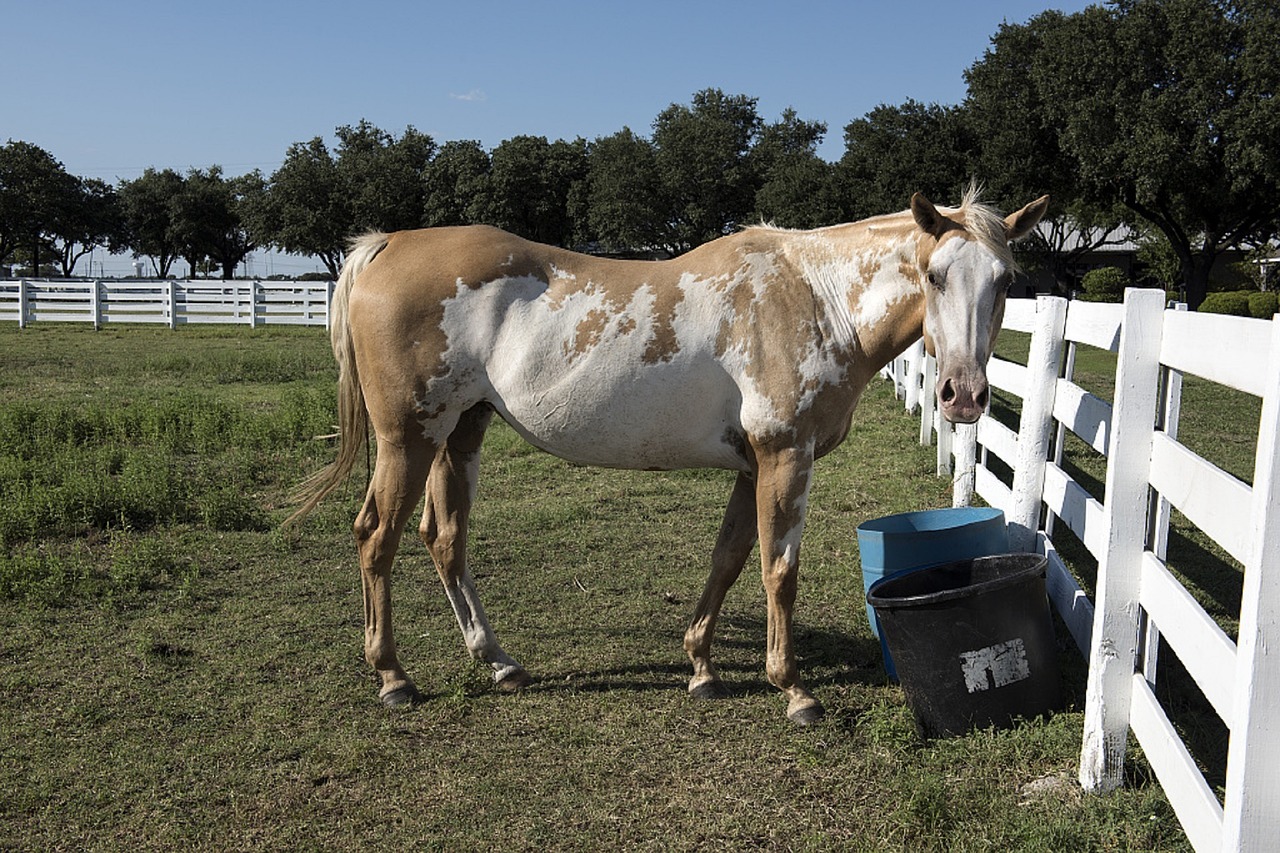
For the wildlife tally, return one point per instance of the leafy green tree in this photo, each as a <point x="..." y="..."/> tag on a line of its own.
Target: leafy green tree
<point x="1020" y="154"/>
<point x="383" y="175"/>
<point x="306" y="209"/>
<point x="895" y="151"/>
<point x="36" y="193"/>
<point x="147" y="209"/>
<point x="707" y="178"/>
<point x="1169" y="108"/>
<point x="210" y="218"/>
<point x="453" y="182"/>
<point x="798" y="187"/>
<point x="625" y="207"/>
<point x="92" y="220"/>
<point x="528" y="187"/>
<point x="197" y="213"/>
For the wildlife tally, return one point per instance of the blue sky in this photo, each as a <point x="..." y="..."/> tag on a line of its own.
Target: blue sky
<point x="110" y="88"/>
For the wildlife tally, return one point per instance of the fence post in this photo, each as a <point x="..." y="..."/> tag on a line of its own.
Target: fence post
<point x="946" y="432"/>
<point x="1169" y="413"/>
<point x="1251" y="820"/>
<point x="912" y="375"/>
<point x="1113" y="646"/>
<point x="328" y="302"/>
<point x="253" y="304"/>
<point x="1036" y="423"/>
<point x="965" y="442"/>
<point x="97" y="305"/>
<point x="927" y="399"/>
<point x="22" y="303"/>
<point x="171" y="302"/>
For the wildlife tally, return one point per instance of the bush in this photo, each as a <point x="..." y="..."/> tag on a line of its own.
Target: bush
<point x="1233" y="302"/>
<point x="1263" y="305"/>
<point x="1105" y="284"/>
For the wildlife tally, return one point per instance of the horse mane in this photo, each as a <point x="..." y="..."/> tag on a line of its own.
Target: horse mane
<point x="985" y="224"/>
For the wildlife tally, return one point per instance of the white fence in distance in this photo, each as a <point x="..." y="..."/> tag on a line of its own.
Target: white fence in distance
<point x="168" y="302"/>
<point x="1147" y="470"/>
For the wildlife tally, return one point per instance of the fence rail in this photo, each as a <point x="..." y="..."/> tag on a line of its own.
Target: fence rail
<point x="1138" y="599"/>
<point x="168" y="302"/>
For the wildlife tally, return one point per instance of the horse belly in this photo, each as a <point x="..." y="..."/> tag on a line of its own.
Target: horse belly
<point x="667" y="420"/>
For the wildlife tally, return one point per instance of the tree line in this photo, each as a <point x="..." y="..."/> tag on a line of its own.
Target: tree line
<point x="1156" y="117"/>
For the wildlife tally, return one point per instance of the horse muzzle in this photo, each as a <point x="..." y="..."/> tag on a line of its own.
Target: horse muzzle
<point x="963" y="399"/>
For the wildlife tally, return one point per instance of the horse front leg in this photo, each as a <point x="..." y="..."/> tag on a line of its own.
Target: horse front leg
<point x="393" y="493"/>
<point x="782" y="494"/>
<point x="733" y="546"/>
<point x="451" y="489"/>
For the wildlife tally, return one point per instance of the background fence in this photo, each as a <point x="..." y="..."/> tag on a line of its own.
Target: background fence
<point x="1137" y="598"/>
<point x="173" y="303"/>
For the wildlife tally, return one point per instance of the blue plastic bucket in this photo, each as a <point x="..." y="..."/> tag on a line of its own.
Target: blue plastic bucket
<point x="901" y="543"/>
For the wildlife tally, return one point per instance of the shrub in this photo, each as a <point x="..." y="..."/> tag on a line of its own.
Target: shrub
<point x="1105" y="284"/>
<point x="1263" y="305"/>
<point x="1234" y="302"/>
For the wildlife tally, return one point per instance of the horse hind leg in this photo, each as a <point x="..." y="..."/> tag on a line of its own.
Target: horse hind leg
<point x="450" y="492"/>
<point x="733" y="546"/>
<point x="393" y="494"/>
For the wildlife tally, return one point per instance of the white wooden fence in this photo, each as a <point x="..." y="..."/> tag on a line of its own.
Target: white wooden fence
<point x="170" y="302"/>
<point x="1136" y="596"/>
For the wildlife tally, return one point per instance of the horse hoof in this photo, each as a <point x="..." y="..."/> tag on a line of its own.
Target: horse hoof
<point x="405" y="695"/>
<point x="806" y="716"/>
<point x="514" y="682"/>
<point x="709" y="690"/>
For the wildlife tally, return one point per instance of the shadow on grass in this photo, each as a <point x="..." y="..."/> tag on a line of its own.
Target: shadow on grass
<point x="827" y="658"/>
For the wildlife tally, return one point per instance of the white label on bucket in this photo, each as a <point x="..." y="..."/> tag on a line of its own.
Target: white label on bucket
<point x="995" y="666"/>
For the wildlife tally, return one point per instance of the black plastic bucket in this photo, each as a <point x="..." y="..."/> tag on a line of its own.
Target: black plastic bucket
<point x="972" y="641"/>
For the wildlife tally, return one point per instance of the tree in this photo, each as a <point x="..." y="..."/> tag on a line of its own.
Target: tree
<point x="1020" y="155"/>
<point x="624" y="202"/>
<point x="35" y="193"/>
<point x="1168" y="108"/>
<point x="145" y="204"/>
<point x="798" y="186"/>
<point x="895" y="151"/>
<point x="307" y="209"/>
<point x="210" y="218"/>
<point x="92" y="220"/>
<point x="383" y="175"/>
<point x="453" y="182"/>
<point x="706" y="176"/>
<point x="528" y="186"/>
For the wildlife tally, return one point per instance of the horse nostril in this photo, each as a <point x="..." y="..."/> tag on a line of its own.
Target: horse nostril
<point x="948" y="392"/>
<point x="983" y="396"/>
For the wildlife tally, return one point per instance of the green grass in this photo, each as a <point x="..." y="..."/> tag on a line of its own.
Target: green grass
<point x="176" y="673"/>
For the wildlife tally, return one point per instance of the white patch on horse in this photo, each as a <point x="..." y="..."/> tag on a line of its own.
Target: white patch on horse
<point x="602" y="404"/>
<point x="960" y="265"/>
<point x="885" y="290"/>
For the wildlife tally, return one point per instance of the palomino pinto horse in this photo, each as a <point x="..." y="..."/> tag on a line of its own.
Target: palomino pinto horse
<point x="748" y="353"/>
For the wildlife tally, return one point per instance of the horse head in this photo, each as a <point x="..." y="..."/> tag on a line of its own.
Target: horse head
<point x="966" y="267"/>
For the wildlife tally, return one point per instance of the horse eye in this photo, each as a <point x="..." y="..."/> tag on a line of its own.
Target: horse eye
<point x="933" y="279"/>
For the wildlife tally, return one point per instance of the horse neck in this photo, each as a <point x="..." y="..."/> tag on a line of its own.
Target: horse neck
<point x="866" y="276"/>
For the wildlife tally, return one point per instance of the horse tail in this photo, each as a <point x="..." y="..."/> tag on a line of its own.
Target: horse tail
<point x="353" y="417"/>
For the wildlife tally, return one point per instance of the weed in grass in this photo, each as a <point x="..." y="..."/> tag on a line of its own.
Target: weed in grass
<point x="42" y="578"/>
<point x="139" y="563"/>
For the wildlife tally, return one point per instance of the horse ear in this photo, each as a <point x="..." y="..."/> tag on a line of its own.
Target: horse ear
<point x="1018" y="225"/>
<point x="927" y="216"/>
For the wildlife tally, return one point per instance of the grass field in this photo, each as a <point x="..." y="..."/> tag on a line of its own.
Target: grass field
<point x="177" y="673"/>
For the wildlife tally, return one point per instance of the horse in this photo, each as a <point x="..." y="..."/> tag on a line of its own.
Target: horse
<point x="747" y="353"/>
